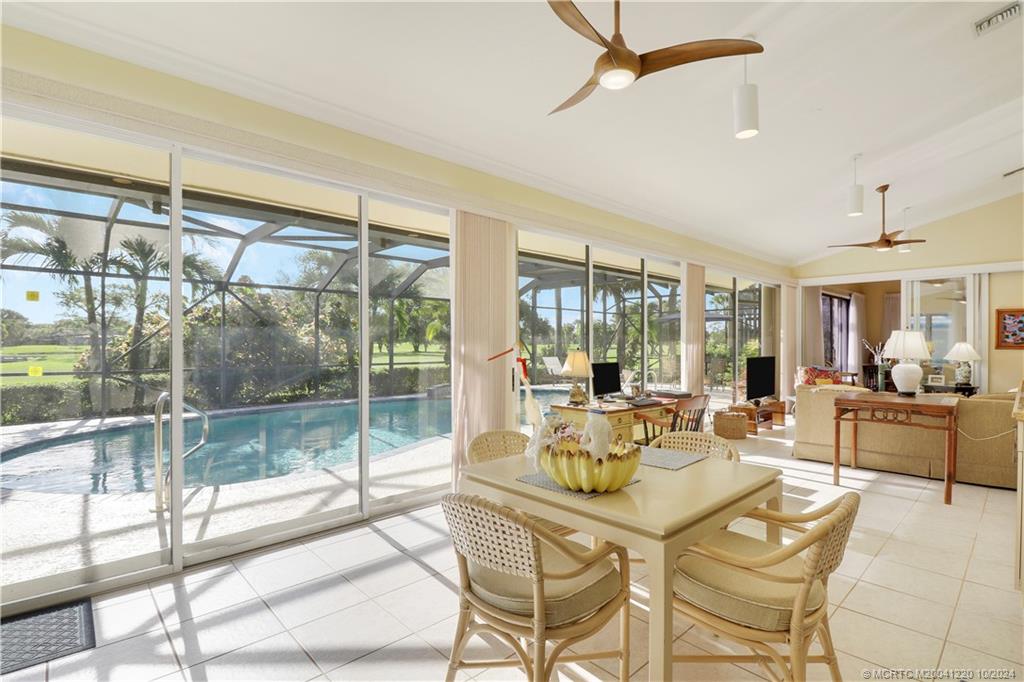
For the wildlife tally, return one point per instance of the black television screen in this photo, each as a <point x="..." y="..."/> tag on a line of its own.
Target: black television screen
<point x="760" y="376"/>
<point x="607" y="379"/>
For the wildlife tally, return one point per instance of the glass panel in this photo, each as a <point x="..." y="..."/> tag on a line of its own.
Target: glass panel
<point x="719" y="340"/>
<point x="271" y="348"/>
<point x="748" y="330"/>
<point x="84" y="356"/>
<point x="410" y="347"/>
<point x="617" y="312"/>
<point x="941" y="313"/>
<point x="664" y="303"/>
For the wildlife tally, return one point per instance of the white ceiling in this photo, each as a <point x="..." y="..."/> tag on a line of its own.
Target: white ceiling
<point x="936" y="111"/>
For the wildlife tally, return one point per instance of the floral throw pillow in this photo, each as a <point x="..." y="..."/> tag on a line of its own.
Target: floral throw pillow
<point x="817" y="376"/>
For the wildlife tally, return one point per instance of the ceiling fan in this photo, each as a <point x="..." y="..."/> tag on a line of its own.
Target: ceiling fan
<point x="618" y="66"/>
<point x="887" y="240"/>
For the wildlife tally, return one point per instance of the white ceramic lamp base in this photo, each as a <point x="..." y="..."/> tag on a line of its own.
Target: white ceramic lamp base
<point x="907" y="377"/>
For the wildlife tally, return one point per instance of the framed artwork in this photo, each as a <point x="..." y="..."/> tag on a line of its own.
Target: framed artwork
<point x="1010" y="328"/>
<point x="936" y="379"/>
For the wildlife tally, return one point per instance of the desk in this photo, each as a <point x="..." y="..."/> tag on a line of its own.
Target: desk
<point x="892" y="408"/>
<point x="622" y="416"/>
<point x="659" y="517"/>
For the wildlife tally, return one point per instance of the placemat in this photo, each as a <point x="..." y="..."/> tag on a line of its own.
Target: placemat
<point x="667" y="459"/>
<point x="542" y="480"/>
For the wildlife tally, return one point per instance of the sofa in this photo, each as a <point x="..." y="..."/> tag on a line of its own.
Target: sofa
<point x="917" y="452"/>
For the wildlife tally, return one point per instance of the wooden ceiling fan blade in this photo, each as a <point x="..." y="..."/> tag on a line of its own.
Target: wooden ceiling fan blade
<point x="572" y="17"/>
<point x="698" y="50"/>
<point x="897" y="242"/>
<point x="892" y="235"/>
<point x="577" y="97"/>
<point x="867" y="245"/>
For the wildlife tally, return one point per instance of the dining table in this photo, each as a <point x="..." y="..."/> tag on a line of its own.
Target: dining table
<point x="658" y="516"/>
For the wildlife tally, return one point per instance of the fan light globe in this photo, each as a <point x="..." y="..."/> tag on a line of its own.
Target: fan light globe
<point x="617" y="79"/>
<point x="880" y="249"/>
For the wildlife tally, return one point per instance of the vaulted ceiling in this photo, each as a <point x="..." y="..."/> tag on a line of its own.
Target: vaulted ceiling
<point x="936" y="111"/>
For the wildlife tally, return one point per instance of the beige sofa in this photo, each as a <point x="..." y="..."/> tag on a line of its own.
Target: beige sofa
<point x="913" y="451"/>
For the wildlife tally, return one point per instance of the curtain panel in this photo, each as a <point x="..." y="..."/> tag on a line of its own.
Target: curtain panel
<point x="484" y="323"/>
<point x="693" y="328"/>
<point x="812" y="347"/>
<point x="858" y="330"/>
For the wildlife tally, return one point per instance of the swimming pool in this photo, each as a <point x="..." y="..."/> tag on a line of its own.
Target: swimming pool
<point x="243" y="445"/>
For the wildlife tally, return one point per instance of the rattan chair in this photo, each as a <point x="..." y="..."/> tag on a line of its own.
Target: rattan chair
<point x="747" y="590"/>
<point x="698" y="443"/>
<point x="491" y="445"/>
<point x="519" y="580"/>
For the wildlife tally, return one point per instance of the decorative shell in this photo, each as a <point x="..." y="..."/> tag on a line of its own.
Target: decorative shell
<point x="573" y="467"/>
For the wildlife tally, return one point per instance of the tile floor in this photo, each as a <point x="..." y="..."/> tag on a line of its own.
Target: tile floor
<point x="922" y="585"/>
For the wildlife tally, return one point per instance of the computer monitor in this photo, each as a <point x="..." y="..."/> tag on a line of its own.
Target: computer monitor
<point x="607" y="378"/>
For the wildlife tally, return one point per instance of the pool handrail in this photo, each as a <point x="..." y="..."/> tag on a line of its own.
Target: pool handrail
<point x="160" y="479"/>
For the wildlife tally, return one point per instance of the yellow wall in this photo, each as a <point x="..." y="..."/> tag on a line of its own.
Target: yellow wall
<point x="43" y="57"/>
<point x="1005" y="367"/>
<point x="993" y="233"/>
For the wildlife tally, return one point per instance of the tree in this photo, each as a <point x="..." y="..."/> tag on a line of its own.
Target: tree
<point x="13" y="327"/>
<point x="57" y="255"/>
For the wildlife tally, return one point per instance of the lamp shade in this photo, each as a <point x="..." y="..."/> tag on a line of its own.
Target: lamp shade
<point x="744" y="111"/>
<point x="906" y="345"/>
<point x="855" y="200"/>
<point x="962" y="352"/>
<point x="577" y="365"/>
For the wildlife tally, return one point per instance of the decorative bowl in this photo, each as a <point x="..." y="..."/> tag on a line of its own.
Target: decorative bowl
<point x="573" y="467"/>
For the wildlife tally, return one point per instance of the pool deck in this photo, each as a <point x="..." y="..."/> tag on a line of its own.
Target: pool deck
<point x="45" y="534"/>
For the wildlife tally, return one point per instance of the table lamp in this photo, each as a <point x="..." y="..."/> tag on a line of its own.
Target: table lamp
<point x="963" y="354"/>
<point x="906" y="345"/>
<point x="577" y="366"/>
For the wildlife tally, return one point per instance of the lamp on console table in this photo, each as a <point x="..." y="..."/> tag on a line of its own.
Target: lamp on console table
<point x="904" y="345"/>
<point x="963" y="354"/>
<point x="577" y="366"/>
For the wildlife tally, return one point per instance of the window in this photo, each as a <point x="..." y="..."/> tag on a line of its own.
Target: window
<point x="835" y="322"/>
<point x="551" y="314"/>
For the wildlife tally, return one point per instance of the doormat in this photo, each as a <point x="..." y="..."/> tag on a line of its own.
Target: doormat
<point x="32" y="638"/>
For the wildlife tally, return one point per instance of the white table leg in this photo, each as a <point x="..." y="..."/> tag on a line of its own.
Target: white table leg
<point x="660" y="568"/>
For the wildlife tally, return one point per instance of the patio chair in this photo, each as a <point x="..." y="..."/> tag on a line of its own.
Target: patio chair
<point x="687" y="415"/>
<point x="554" y="367"/>
<point x="491" y="445"/>
<point x="698" y="443"/>
<point x="762" y="595"/>
<point x="517" y="580"/>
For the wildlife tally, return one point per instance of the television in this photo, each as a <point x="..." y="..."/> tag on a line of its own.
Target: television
<point x="760" y="376"/>
<point x="607" y="378"/>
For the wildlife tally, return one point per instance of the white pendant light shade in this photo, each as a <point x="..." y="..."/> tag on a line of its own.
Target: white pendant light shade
<point x="855" y="201"/>
<point x="744" y="111"/>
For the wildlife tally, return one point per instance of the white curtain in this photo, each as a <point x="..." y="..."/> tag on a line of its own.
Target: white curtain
<point x="787" y="341"/>
<point x="890" y="315"/>
<point x="857" y="332"/>
<point x="484" y="322"/>
<point x="812" y="347"/>
<point x="693" y="328"/>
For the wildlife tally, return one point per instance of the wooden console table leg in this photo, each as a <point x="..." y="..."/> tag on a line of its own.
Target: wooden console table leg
<point x="853" y="442"/>
<point x="835" y="448"/>
<point x="949" y="471"/>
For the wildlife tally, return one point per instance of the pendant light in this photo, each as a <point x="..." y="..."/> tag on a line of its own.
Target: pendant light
<point x="904" y="248"/>
<point x="744" y="107"/>
<point x="855" y="197"/>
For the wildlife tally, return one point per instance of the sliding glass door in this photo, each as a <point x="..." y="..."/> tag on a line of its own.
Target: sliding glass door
<point x="84" y="359"/>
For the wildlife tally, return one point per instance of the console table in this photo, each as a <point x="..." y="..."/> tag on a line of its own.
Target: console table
<point x="897" y="410"/>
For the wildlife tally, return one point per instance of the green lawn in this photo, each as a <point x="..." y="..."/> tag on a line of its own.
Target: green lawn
<point x="51" y="358"/>
<point x="429" y="356"/>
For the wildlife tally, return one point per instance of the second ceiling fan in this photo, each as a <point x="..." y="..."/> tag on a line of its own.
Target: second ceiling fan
<point x="886" y="240"/>
<point x="618" y="66"/>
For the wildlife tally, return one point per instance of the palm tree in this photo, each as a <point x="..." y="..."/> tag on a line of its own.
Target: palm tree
<point x="142" y="259"/>
<point x="60" y="258"/>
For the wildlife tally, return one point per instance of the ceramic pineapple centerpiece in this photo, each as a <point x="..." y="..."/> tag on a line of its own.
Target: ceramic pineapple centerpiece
<point x="587" y="461"/>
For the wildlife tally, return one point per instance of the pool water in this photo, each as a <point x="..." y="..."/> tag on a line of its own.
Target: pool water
<point x="242" y="446"/>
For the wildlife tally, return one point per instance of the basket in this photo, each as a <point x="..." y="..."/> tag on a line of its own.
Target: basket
<point x="731" y="425"/>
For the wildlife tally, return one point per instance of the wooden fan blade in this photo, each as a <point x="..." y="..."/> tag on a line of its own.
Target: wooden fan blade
<point x="868" y="245"/>
<point x="577" y="97"/>
<point x="698" y="50"/>
<point x="892" y="235"/>
<point x="897" y="242"/>
<point x="572" y="17"/>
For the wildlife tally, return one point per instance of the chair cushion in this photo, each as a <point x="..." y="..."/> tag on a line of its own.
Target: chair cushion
<point x="566" y="601"/>
<point x="741" y="597"/>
